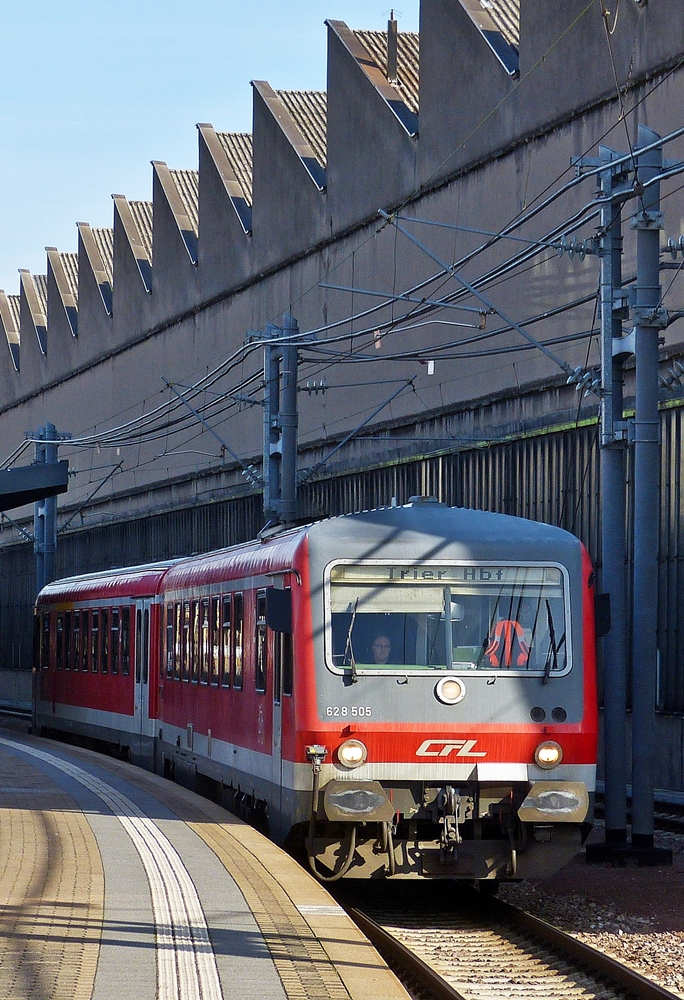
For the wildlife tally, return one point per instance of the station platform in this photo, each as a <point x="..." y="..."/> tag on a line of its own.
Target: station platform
<point x="117" y="884"/>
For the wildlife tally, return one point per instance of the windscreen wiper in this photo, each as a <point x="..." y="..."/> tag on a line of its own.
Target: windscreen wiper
<point x="553" y="649"/>
<point x="349" y="648"/>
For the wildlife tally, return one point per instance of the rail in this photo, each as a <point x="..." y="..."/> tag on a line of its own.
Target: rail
<point x="581" y="957"/>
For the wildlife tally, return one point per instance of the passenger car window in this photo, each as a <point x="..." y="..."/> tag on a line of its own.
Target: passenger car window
<point x="226" y="641"/>
<point x="114" y="644"/>
<point x="126" y="641"/>
<point x="261" y="642"/>
<point x="238" y="629"/>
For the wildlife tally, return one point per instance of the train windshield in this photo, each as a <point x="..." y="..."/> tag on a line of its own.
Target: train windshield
<point x="448" y="617"/>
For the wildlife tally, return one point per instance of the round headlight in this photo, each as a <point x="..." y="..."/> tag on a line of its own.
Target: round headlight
<point x="450" y="690"/>
<point x="548" y="754"/>
<point x="352" y="753"/>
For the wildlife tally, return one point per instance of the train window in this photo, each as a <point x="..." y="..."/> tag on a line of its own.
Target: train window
<point x="104" y="641"/>
<point x="76" y="641"/>
<point x="448" y="616"/>
<point x="67" y="640"/>
<point x="177" y="640"/>
<point x="59" y="643"/>
<point x="215" y="640"/>
<point x="225" y="641"/>
<point x="125" y="641"/>
<point x="114" y="641"/>
<point x="287" y="660"/>
<point x="238" y="636"/>
<point x="85" y="639"/>
<point x="194" y="655"/>
<point x="261" y="641"/>
<point x="95" y="641"/>
<point x="169" y="641"/>
<point x="45" y="641"/>
<point x="205" y="640"/>
<point x="187" y="650"/>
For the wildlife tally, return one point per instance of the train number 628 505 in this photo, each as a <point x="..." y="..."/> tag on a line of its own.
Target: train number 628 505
<point x="341" y="711"/>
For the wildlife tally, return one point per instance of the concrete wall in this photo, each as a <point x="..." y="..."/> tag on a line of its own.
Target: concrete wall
<point x="15" y="689"/>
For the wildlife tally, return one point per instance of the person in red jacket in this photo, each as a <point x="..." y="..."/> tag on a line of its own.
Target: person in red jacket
<point x="508" y="646"/>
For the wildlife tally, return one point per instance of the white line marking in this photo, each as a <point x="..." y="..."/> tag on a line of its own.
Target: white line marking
<point x="186" y="964"/>
<point x="313" y="910"/>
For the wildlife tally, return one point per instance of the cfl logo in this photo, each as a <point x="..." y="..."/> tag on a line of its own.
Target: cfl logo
<point x="444" y="748"/>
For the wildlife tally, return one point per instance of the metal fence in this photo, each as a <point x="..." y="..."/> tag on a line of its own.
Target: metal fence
<point x="551" y="477"/>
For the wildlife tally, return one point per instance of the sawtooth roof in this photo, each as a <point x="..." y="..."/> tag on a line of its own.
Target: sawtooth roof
<point x="309" y="109"/>
<point x="238" y="149"/>
<point x="142" y="216"/>
<point x="187" y="182"/>
<point x="40" y="281"/>
<point x="506" y="16"/>
<point x="13" y="302"/>
<point x="408" y="60"/>
<point x="70" y="265"/>
<point x="104" y="241"/>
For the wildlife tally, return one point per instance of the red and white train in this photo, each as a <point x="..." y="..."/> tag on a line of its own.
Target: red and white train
<point x="405" y="691"/>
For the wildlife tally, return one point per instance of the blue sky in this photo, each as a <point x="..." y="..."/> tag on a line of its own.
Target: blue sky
<point x="92" y="90"/>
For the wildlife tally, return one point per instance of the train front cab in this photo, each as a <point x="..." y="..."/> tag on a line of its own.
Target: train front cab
<point x="477" y="763"/>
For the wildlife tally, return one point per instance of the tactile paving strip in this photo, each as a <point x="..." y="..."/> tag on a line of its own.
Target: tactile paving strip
<point x="51" y="889"/>
<point x="304" y="967"/>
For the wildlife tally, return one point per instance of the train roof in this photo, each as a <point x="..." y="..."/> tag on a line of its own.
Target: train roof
<point x="422" y="528"/>
<point x="260" y="557"/>
<point x="125" y="581"/>
<point x="427" y="516"/>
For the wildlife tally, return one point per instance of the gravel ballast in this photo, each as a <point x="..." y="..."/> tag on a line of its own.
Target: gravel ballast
<point x="635" y="914"/>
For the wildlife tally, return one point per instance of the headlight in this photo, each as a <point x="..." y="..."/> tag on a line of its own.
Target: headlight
<point x="548" y="754"/>
<point x="450" y="690"/>
<point x="352" y="753"/>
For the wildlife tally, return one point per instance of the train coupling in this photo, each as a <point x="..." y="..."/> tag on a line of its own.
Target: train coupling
<point x="448" y="802"/>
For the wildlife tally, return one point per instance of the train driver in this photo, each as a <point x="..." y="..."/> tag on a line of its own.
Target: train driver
<point x="381" y="649"/>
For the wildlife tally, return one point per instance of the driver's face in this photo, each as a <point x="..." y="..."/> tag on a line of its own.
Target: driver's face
<point x="381" y="649"/>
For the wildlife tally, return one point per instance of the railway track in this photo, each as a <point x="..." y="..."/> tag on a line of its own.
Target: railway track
<point x="456" y="945"/>
<point x="663" y="819"/>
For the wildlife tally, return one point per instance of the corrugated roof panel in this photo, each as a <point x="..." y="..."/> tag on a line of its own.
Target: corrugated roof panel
<point x="13" y="302"/>
<point x="70" y="265"/>
<point x="40" y="281"/>
<point x="309" y="111"/>
<point x="506" y="16"/>
<point x="187" y="182"/>
<point x="104" y="241"/>
<point x="408" y="60"/>
<point x="142" y="216"/>
<point x="238" y="149"/>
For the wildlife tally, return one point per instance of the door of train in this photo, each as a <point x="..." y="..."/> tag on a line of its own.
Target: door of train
<point x="142" y="664"/>
<point x="277" y="734"/>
